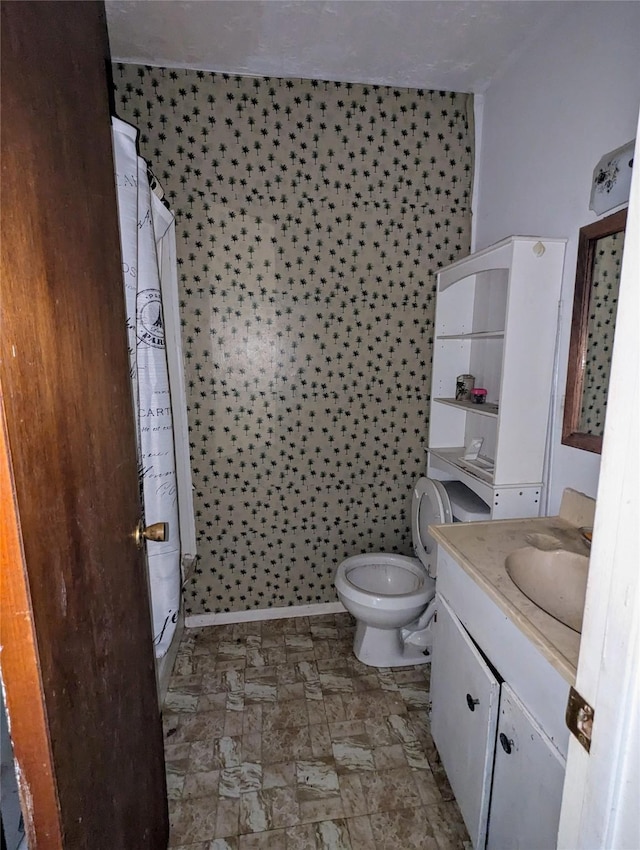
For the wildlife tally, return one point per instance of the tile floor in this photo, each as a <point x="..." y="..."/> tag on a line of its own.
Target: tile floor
<point x="278" y="738"/>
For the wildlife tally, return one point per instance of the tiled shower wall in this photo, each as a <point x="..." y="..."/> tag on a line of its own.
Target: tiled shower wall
<point x="311" y="219"/>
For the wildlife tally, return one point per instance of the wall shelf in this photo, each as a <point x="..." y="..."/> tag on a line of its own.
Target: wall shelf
<point x="496" y="319"/>
<point x="486" y="409"/>
<point x="474" y="335"/>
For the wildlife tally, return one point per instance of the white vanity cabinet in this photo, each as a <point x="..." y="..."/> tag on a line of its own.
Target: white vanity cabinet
<point x="464" y="718"/>
<point x="496" y="319"/>
<point x="497" y="718"/>
<point x="528" y="775"/>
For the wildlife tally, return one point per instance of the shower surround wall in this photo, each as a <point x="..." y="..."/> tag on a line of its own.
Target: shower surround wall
<point x="311" y="220"/>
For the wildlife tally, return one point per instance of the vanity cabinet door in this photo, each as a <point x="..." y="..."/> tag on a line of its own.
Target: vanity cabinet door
<point x="465" y="695"/>
<point x="528" y="777"/>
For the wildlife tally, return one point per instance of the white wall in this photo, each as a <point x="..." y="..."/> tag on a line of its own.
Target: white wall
<point x="572" y="96"/>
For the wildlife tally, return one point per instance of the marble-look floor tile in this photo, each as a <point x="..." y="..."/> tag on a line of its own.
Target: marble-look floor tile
<point x="316" y="710"/>
<point x="256" y="657"/>
<point x="234" y="781"/>
<point x="266" y="675"/>
<point x="335" y="683"/>
<point x="307" y="672"/>
<point x="202" y="784"/>
<point x="290" y="691"/>
<point x="286" y="745"/>
<point x="227" y="821"/>
<point x="415" y="697"/>
<point x="203" y="725"/>
<point x="254" y="813"/>
<point x="352" y="754"/>
<point x="199" y="845"/>
<point x="278" y="738"/>
<point x="230" y="843"/>
<point x="301" y="837"/>
<point x="366" y="704"/>
<point x="233" y="723"/>
<point x="386" y="790"/>
<point x="283" y="806"/>
<point x="316" y="810"/>
<point x="226" y="752"/>
<point x="278" y="775"/>
<point x="275" y="839"/>
<point x="405" y="829"/>
<point x="176" y="758"/>
<point x="193" y="820"/>
<point x="176" y="701"/>
<point x="175" y="785"/>
<point x="316" y="779"/>
<point x="333" y="835"/>
<point x="361" y="833"/>
<point x="389" y="756"/>
<point x="352" y="793"/>
<point x="447" y="826"/>
<point x="320" y="740"/>
<point x="252" y="719"/>
<point x="427" y="787"/>
<point x="212" y="699"/>
<point x="260" y="692"/>
<point x="313" y="692"/>
<point x="334" y="708"/>
<point x="285" y="715"/>
<point x="347" y="729"/>
<point x="252" y="747"/>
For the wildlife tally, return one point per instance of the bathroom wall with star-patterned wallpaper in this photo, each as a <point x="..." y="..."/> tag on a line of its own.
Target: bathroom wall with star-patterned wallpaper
<point x="311" y="220"/>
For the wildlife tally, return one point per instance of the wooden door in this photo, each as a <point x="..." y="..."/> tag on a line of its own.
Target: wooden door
<point x="77" y="657"/>
<point x="464" y="713"/>
<point x="527" y="782"/>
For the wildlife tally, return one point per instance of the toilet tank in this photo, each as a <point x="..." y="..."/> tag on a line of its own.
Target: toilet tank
<point x="466" y="506"/>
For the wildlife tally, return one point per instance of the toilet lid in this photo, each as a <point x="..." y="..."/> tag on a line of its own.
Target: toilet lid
<point x="430" y="506"/>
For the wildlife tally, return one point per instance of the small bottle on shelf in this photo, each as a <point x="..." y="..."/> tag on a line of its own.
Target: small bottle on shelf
<point x="478" y="395"/>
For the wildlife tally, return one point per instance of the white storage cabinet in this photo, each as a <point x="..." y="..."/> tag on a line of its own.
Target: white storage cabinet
<point x="497" y="719"/>
<point x="496" y="318"/>
<point x="464" y="719"/>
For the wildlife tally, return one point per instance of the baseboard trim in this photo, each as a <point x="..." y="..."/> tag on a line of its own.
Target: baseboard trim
<point x="195" y="621"/>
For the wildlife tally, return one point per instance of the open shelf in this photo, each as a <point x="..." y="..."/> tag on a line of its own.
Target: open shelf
<point x="448" y="460"/>
<point x="475" y="335"/>
<point x="486" y="409"/>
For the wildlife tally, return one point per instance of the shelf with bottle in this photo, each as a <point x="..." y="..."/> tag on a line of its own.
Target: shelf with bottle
<point x="486" y="409"/>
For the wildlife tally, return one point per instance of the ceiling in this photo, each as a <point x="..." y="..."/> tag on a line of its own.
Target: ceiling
<point x="450" y="45"/>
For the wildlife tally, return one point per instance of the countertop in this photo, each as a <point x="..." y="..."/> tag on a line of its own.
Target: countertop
<point x="481" y="548"/>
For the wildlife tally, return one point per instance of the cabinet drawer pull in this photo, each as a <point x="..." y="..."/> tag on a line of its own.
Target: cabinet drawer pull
<point x="506" y="743"/>
<point x="472" y="703"/>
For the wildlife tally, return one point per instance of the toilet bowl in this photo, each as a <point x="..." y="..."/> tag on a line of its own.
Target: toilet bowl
<point x="392" y="597"/>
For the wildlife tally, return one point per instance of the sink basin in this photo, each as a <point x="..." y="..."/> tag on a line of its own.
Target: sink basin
<point x="556" y="580"/>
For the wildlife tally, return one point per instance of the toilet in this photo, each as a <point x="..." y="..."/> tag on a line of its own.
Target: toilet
<point x="392" y="597"/>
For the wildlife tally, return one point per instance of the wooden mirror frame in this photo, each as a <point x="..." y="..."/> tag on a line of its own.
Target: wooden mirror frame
<point x="588" y="237"/>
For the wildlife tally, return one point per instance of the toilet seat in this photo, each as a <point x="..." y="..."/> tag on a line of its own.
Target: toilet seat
<point x="374" y="575"/>
<point x="430" y="506"/>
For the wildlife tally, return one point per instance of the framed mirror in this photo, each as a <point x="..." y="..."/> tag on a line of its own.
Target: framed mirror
<point x="595" y="303"/>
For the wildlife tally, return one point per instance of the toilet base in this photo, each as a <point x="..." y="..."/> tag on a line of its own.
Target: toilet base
<point x="384" y="648"/>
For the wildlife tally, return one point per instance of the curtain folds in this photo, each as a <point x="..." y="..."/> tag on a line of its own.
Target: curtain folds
<point x="140" y="240"/>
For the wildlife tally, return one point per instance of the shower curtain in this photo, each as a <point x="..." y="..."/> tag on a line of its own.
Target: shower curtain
<point x="144" y="223"/>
